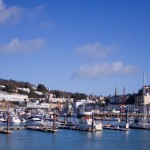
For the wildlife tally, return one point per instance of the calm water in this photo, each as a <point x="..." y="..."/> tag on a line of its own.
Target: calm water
<point x="76" y="140"/>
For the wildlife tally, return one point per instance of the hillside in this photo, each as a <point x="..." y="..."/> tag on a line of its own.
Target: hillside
<point x="33" y="91"/>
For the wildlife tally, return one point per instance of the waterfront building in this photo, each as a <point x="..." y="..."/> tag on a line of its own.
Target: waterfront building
<point x="143" y="99"/>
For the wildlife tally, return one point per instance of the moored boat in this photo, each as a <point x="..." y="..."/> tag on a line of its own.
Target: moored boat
<point x="87" y="122"/>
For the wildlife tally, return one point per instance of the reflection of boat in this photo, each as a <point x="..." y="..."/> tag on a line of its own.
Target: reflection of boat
<point x="87" y="122"/>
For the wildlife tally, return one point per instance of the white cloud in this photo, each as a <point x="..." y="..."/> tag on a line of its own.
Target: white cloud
<point x="17" y="45"/>
<point x="96" y="50"/>
<point x="9" y="14"/>
<point x="105" y="69"/>
<point x="13" y="14"/>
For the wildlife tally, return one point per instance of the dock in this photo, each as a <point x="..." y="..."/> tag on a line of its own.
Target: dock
<point x="41" y="129"/>
<point x="12" y="128"/>
<point x="5" y="131"/>
<point x="109" y="127"/>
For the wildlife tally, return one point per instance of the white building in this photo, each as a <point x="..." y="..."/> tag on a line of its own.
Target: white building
<point x="12" y="97"/>
<point x="37" y="105"/>
<point x="79" y="102"/>
<point x="144" y="99"/>
<point x="24" y="89"/>
<point x="60" y="100"/>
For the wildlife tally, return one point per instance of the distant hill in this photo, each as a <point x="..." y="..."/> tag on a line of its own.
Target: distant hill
<point x="21" y="87"/>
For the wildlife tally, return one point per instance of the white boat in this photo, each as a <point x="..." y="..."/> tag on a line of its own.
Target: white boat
<point x="3" y="120"/>
<point x="14" y="119"/>
<point x="87" y="122"/>
<point x="36" y="121"/>
<point x="87" y="125"/>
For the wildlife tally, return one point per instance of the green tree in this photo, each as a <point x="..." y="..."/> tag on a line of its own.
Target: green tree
<point x="131" y="99"/>
<point x="79" y="96"/>
<point x="41" y="88"/>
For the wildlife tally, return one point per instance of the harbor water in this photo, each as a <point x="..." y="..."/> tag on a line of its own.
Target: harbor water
<point x="76" y="140"/>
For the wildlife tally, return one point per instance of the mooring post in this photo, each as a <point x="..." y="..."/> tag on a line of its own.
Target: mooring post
<point x="8" y="120"/>
<point x="54" y="120"/>
<point x="92" y="121"/>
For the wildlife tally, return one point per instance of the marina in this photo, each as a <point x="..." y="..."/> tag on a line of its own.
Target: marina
<point x="71" y="134"/>
<point x="74" y="75"/>
<point x="72" y="140"/>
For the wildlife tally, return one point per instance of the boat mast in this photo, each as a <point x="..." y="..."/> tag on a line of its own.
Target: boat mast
<point x="123" y="97"/>
<point x="143" y="94"/>
<point x="8" y="116"/>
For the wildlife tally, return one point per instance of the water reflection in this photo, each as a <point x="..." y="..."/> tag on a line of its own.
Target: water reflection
<point x="96" y="134"/>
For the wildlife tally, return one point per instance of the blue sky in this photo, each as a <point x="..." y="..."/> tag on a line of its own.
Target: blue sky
<point x="88" y="46"/>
